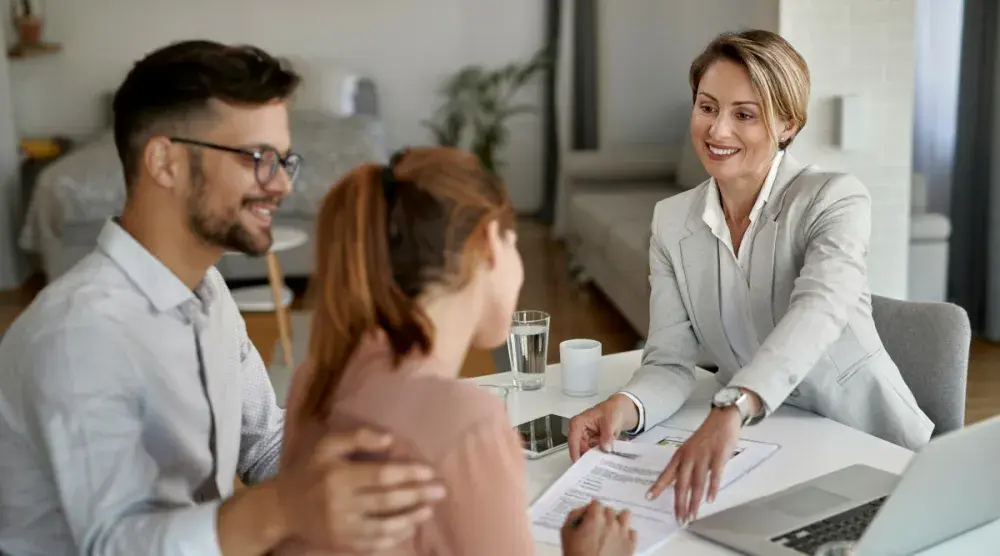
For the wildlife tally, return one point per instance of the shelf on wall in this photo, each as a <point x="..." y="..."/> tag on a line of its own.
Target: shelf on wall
<point x="21" y="51"/>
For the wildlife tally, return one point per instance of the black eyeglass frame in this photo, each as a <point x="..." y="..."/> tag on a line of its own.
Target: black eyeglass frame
<point x="293" y="160"/>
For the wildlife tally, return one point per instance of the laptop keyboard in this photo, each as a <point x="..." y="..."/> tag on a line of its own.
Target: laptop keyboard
<point x="845" y="526"/>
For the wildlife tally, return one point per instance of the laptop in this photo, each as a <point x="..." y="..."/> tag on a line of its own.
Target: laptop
<point x="950" y="487"/>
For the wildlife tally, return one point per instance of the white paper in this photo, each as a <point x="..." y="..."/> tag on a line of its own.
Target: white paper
<point x="747" y="455"/>
<point x="621" y="482"/>
<point x="616" y="481"/>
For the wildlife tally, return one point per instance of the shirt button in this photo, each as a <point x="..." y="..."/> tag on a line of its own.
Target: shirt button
<point x="793" y="379"/>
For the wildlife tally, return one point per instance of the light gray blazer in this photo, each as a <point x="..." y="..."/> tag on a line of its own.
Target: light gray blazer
<point x="810" y="305"/>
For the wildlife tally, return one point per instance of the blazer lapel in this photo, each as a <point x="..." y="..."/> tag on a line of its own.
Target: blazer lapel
<point x="762" y="254"/>
<point x="700" y="258"/>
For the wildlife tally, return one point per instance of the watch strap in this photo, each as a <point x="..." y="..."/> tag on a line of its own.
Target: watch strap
<point x="742" y="404"/>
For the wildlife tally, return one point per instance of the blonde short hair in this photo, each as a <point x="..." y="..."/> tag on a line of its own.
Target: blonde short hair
<point x="778" y="74"/>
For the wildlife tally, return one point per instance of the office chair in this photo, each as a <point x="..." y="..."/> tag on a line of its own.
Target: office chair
<point x="929" y="341"/>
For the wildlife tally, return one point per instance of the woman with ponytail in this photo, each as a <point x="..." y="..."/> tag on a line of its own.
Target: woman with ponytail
<point x="417" y="262"/>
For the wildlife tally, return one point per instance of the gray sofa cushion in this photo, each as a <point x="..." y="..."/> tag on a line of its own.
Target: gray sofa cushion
<point x="929" y="227"/>
<point x="690" y="172"/>
<point x="88" y="184"/>
<point x="627" y="252"/>
<point x="593" y="214"/>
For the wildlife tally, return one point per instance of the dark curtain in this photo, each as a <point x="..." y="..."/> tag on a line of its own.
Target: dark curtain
<point x="974" y="260"/>
<point x="585" y="75"/>
<point x="584" y="94"/>
<point x="550" y="112"/>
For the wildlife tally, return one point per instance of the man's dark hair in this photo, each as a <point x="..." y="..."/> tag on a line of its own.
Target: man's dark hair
<point x="174" y="85"/>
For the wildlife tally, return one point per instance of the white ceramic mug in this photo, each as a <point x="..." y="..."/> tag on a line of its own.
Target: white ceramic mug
<point x="580" y="361"/>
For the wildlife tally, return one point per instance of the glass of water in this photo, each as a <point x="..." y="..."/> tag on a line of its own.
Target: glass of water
<point x="836" y="548"/>
<point x="528" y="347"/>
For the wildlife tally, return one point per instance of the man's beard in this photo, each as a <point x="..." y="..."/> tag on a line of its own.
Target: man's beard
<point x="230" y="235"/>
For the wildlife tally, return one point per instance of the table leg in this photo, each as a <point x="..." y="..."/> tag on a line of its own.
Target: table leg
<point x="277" y="280"/>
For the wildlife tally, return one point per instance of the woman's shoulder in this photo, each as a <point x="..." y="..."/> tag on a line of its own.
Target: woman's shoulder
<point x="819" y="185"/>
<point x="430" y="413"/>
<point x="681" y="203"/>
<point x="672" y="213"/>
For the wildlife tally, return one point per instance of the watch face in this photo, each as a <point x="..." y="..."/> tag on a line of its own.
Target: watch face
<point x="727" y="396"/>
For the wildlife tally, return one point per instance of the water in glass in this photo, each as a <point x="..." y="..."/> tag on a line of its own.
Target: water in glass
<point x="528" y="346"/>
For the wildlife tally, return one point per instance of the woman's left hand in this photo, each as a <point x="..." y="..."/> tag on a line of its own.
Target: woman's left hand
<point x="699" y="463"/>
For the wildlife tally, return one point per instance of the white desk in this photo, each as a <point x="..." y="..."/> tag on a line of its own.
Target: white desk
<point x="810" y="446"/>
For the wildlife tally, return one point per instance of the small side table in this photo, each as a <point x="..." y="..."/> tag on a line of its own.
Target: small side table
<point x="276" y="296"/>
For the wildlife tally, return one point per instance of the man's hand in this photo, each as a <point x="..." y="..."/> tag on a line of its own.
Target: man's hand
<point x="601" y="425"/>
<point x="332" y="502"/>
<point x="706" y="452"/>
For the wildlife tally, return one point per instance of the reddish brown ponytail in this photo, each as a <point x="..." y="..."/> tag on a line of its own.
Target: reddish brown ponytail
<point x="379" y="245"/>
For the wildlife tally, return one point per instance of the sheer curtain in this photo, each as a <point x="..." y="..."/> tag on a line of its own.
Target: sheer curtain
<point x="14" y="267"/>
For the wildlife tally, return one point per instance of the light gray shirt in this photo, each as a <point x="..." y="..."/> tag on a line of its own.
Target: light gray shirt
<point x="128" y="404"/>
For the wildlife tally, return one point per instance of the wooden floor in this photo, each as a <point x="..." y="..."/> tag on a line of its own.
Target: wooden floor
<point x="577" y="312"/>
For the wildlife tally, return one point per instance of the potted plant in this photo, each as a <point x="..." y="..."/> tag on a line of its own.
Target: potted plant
<point x="477" y="104"/>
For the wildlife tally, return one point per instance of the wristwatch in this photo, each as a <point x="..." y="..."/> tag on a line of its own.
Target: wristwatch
<point x="730" y="397"/>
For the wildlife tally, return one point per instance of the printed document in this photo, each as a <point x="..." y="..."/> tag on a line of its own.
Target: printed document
<point x="620" y="479"/>
<point x="747" y="455"/>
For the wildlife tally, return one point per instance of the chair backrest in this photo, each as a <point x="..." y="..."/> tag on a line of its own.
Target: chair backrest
<point x="929" y="342"/>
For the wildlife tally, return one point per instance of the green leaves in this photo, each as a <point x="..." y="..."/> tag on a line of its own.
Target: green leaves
<point x="477" y="104"/>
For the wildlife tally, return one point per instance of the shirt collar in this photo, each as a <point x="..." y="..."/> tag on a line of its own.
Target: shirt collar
<point x="151" y="277"/>
<point x="714" y="215"/>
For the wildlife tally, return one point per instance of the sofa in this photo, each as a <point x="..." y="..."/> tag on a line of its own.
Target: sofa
<point x="335" y="125"/>
<point x="607" y="202"/>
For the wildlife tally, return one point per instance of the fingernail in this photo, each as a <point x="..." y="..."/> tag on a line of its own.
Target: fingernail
<point x="606" y="447"/>
<point x="711" y="498"/>
<point x="650" y="495"/>
<point x="437" y="493"/>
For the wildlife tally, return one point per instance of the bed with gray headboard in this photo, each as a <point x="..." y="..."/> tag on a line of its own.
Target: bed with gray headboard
<point x="335" y="124"/>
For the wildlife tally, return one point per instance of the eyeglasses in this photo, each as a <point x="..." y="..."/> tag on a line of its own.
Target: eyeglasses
<point x="266" y="160"/>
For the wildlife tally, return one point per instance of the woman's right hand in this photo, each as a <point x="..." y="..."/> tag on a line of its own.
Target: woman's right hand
<point x="595" y="530"/>
<point x="601" y="425"/>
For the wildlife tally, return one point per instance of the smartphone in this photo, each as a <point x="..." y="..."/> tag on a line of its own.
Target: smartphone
<point x="544" y="435"/>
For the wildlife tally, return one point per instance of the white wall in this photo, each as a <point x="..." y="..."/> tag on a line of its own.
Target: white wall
<point x="863" y="47"/>
<point x="407" y="46"/>
<point x="645" y="50"/>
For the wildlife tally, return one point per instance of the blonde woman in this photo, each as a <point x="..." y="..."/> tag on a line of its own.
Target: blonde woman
<point x="761" y="267"/>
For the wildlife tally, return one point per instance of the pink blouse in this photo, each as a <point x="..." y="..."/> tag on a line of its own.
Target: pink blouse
<point x="460" y="430"/>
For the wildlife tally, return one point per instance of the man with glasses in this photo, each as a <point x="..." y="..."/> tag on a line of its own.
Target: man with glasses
<point x="130" y="394"/>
